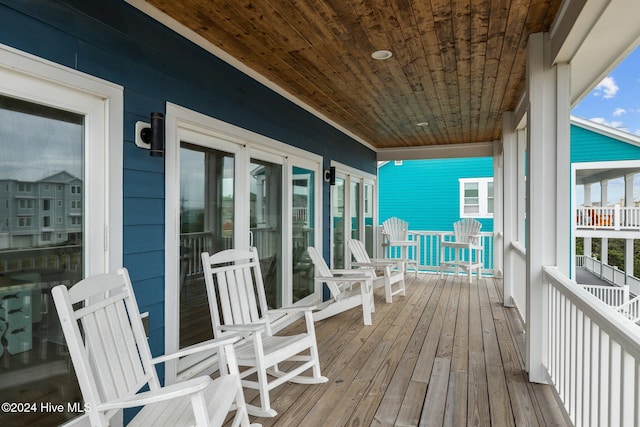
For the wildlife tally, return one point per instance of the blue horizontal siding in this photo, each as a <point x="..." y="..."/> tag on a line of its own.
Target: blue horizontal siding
<point x="116" y="42"/>
<point x="426" y="193"/>
<point x="589" y="146"/>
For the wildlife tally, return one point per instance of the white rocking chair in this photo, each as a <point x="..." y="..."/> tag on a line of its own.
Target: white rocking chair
<point x="233" y="278"/>
<point x="396" y="235"/>
<point x="388" y="277"/>
<point x="113" y="362"/>
<point x="341" y="286"/>
<point x="467" y="242"/>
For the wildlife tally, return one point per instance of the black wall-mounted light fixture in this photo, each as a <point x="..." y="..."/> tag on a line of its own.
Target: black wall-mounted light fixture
<point x="151" y="136"/>
<point x="330" y="175"/>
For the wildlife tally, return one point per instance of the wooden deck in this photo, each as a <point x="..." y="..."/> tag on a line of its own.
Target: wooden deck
<point x="447" y="354"/>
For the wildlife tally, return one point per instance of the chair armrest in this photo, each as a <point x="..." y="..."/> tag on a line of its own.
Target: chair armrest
<point x="197" y="348"/>
<point x="172" y="391"/>
<point x="347" y="272"/>
<point x="298" y="309"/>
<point x="374" y="263"/>
<point x="344" y="279"/>
<point x="248" y="327"/>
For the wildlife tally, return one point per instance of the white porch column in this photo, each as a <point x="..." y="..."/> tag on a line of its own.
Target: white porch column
<point x="548" y="184"/>
<point x="587" y="202"/>
<point x="498" y="219"/>
<point x="604" y="247"/>
<point x="510" y="206"/>
<point x="628" y="243"/>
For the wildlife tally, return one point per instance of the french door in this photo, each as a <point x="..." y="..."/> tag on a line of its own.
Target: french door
<point x="353" y="214"/>
<point x="227" y="190"/>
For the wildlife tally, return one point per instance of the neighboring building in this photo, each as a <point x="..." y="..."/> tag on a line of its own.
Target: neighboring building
<point x="433" y="194"/>
<point x="40" y="208"/>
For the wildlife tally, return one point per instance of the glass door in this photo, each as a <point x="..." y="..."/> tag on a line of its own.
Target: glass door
<point x="369" y="225"/>
<point x="207" y="211"/>
<point x="266" y="223"/>
<point x="229" y="188"/>
<point x="354" y="211"/>
<point x="303" y="230"/>
<point x="353" y="214"/>
<point x="337" y="222"/>
<point x="43" y="228"/>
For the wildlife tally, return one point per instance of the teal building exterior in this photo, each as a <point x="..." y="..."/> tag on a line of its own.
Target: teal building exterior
<point x="427" y="193"/>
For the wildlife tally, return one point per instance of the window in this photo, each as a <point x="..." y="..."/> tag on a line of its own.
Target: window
<point x="476" y="198"/>
<point x="26" y="203"/>
<point x="81" y="119"/>
<point x="24" y="221"/>
<point x="24" y="187"/>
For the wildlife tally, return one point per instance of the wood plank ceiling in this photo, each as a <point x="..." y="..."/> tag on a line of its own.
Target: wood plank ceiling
<point x="456" y="64"/>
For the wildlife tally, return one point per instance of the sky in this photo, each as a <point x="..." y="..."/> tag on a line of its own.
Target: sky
<point x="615" y="102"/>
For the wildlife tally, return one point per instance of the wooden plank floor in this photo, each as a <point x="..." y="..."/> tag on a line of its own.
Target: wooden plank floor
<point x="446" y="354"/>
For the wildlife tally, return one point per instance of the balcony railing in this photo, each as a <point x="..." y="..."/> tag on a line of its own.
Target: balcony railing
<point x="429" y="249"/>
<point x="609" y="273"/>
<point x="61" y="258"/>
<point x="608" y="218"/>
<point x="591" y="357"/>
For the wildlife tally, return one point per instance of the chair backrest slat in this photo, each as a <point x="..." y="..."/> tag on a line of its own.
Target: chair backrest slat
<point x="323" y="269"/>
<point x="234" y="281"/>
<point x="465" y="228"/>
<point x="397" y="229"/>
<point x="358" y="250"/>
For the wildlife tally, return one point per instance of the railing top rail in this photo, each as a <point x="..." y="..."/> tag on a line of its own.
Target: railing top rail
<point x="622" y="330"/>
<point x="434" y="232"/>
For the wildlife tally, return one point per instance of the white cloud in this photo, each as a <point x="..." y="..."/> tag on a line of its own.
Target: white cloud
<point x="607" y="88"/>
<point x="619" y="111"/>
<point x="603" y="121"/>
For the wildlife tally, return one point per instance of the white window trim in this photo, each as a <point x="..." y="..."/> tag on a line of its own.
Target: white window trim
<point x="482" y="197"/>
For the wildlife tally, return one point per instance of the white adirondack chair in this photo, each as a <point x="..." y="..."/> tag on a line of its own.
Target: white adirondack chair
<point x="233" y="279"/>
<point x="467" y="242"/>
<point x="388" y="277"/>
<point x="113" y="362"/>
<point x="348" y="288"/>
<point x="396" y="234"/>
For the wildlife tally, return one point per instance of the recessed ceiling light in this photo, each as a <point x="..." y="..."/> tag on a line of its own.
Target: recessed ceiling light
<point x="422" y="124"/>
<point x="381" y="54"/>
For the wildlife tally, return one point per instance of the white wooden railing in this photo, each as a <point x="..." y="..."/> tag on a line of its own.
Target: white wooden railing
<point x="609" y="273"/>
<point x="608" y="217"/>
<point x="429" y="249"/>
<point x="613" y="296"/>
<point x="630" y="309"/>
<point x="592" y="356"/>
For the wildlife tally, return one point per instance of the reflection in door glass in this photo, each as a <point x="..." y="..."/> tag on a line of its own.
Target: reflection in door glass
<point x="206" y="225"/>
<point x="368" y="218"/>
<point x="337" y="205"/>
<point x="41" y="246"/>
<point x="303" y="231"/>
<point x="355" y="210"/>
<point x="266" y="225"/>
